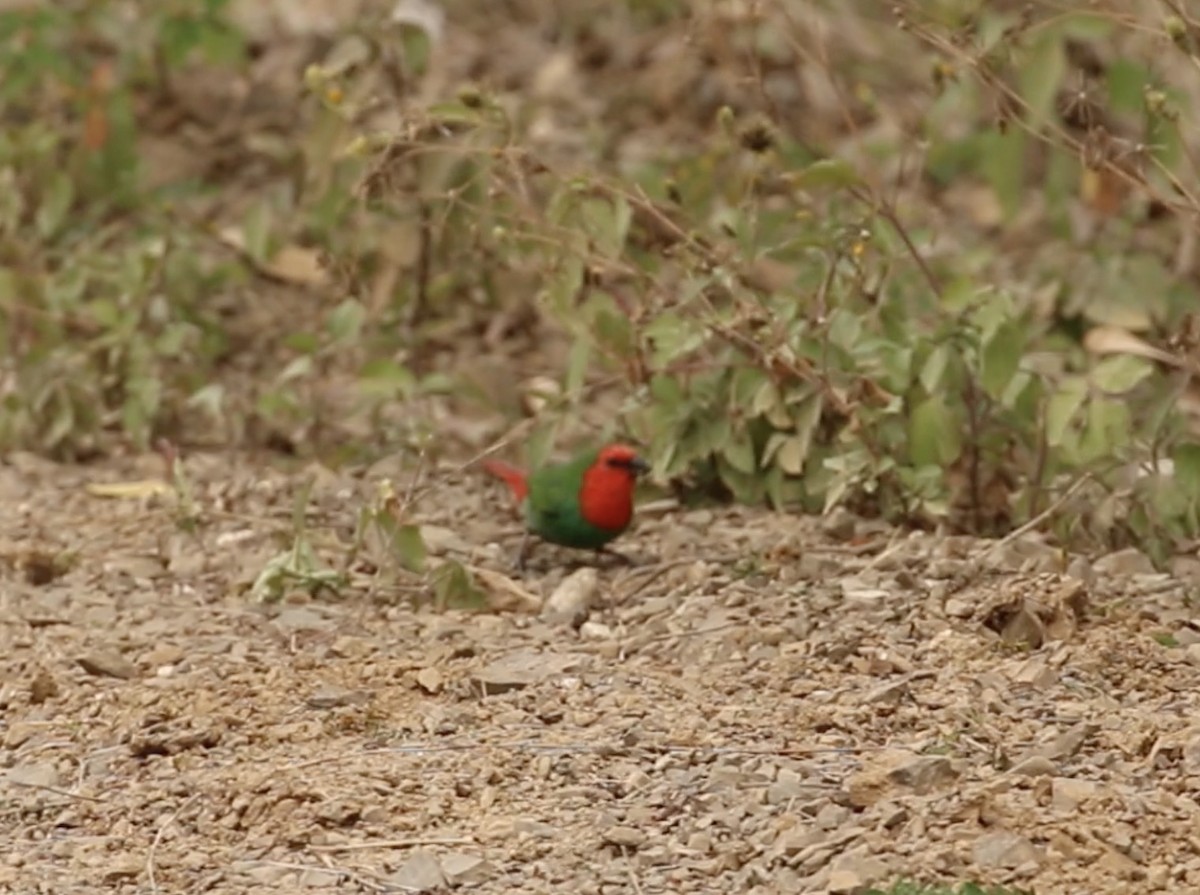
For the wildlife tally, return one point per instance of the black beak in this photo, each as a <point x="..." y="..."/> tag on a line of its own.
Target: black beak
<point x="639" y="466"/>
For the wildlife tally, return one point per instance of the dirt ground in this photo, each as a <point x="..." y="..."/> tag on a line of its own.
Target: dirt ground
<point x="762" y="703"/>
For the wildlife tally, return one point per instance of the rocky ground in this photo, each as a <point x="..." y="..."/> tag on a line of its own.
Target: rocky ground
<point x="764" y="703"/>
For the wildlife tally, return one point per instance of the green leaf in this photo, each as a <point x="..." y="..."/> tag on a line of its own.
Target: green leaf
<point x="408" y="545"/>
<point x="671" y="337"/>
<point x="791" y="454"/>
<point x="740" y="454"/>
<point x="934" y="370"/>
<point x="454" y="588"/>
<point x="1001" y="356"/>
<point x="1041" y="76"/>
<point x="346" y="321"/>
<point x="829" y="173"/>
<point x="1127" y="82"/>
<point x="56" y="203"/>
<point x="1187" y="468"/>
<point x="614" y="332"/>
<point x="384" y="376"/>
<point x="1108" y="429"/>
<point x="1062" y="408"/>
<point x="934" y="435"/>
<point x="1002" y="162"/>
<point x="577" y="366"/>
<point x="1120" y="373"/>
<point x="766" y="399"/>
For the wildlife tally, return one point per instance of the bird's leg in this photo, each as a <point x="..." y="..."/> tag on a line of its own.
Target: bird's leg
<point x="523" y="552"/>
<point x="617" y="555"/>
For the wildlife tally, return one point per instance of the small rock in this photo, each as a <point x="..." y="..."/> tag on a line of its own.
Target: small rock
<point x="317" y="878"/>
<point x="626" y="837"/>
<point x="420" y="873"/>
<point x="1124" y="563"/>
<point x="302" y="618"/>
<point x="1066" y="744"/>
<point x="1067" y="793"/>
<point x="1186" y="636"/>
<point x="1192" y="653"/>
<point x="1080" y="569"/>
<point x="853" y="872"/>
<point x="832" y="816"/>
<point x="329" y="697"/>
<point x="42" y="687"/>
<point x="595" y="631"/>
<point x="348" y="647"/>
<point x="572" y="599"/>
<point x="1004" y="849"/>
<point x="466" y="870"/>
<point x="523" y="669"/>
<point x="1113" y="863"/>
<point x="925" y="773"/>
<point x="839" y="524"/>
<point x="163" y="654"/>
<point x="890" y="693"/>
<point x="43" y="775"/>
<point x="1034" y="766"/>
<point x="106" y="663"/>
<point x="18" y="733"/>
<point x="430" y="679"/>
<point x="1034" y="672"/>
<point x="440" y="541"/>
<point x="784" y="790"/>
<point x="958" y="608"/>
<point x="121" y="867"/>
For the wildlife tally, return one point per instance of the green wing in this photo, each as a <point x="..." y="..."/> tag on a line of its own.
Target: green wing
<point x="552" y="510"/>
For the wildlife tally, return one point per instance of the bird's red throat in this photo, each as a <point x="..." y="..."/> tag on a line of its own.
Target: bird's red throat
<point x="606" y="497"/>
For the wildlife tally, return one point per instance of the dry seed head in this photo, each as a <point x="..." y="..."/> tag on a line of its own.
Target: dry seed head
<point x="757" y="136"/>
<point x="1176" y="30"/>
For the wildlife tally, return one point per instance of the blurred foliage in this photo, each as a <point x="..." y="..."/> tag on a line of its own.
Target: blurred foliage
<point x="900" y="327"/>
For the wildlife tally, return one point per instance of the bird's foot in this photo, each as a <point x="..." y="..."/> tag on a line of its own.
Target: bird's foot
<point x="520" y="561"/>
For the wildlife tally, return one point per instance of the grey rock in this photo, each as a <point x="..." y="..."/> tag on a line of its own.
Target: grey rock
<point x="924" y="773"/>
<point x="1004" y="849"/>
<point x="523" y="669"/>
<point x="462" y="869"/>
<point x="422" y="872"/>
<point x="107" y="663"/>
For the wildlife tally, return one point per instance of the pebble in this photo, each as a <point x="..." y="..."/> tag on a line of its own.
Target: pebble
<point x="626" y="837"/>
<point x="107" y="663"/>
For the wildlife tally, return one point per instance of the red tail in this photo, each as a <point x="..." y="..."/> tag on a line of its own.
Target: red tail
<point x="511" y="476"/>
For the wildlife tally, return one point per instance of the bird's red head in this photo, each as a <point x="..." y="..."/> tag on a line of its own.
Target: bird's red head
<point x="606" y="495"/>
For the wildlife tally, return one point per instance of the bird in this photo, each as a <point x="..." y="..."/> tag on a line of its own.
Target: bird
<point x="583" y="503"/>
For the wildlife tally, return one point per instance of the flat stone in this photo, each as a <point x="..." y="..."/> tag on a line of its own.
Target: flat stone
<point x="925" y="773"/>
<point x="1004" y="849"/>
<point x="40" y="774"/>
<point x="1067" y="793"/>
<point x="107" y="663"/>
<point x="1034" y="766"/>
<point x="330" y="697"/>
<point x="422" y="872"/>
<point x="463" y="869"/>
<point x="523" y="669"/>
<point x="626" y="837"/>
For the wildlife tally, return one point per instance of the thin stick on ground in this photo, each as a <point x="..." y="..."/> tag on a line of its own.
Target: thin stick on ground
<point x="1041" y="517"/>
<point x="394" y="843"/>
<point x="158" y="837"/>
